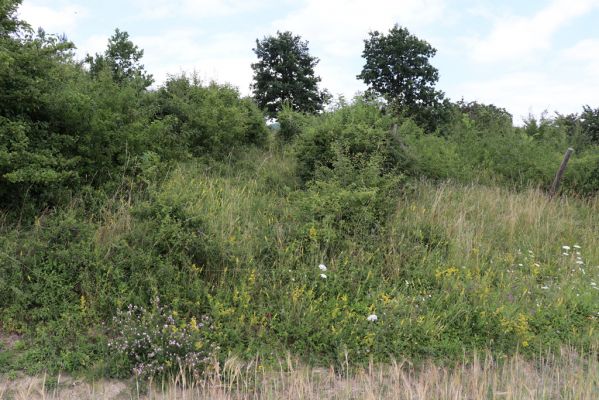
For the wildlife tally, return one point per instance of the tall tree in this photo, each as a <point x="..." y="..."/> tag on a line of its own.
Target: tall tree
<point x="284" y="73"/>
<point x="398" y="68"/>
<point x="122" y="58"/>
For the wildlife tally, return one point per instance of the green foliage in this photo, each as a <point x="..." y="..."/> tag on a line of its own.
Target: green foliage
<point x="33" y="160"/>
<point x="444" y="268"/>
<point x="487" y="117"/>
<point x="9" y="23"/>
<point x="589" y="121"/>
<point x="122" y="60"/>
<point x="582" y="174"/>
<point x="285" y="73"/>
<point x="291" y="123"/>
<point x="211" y="119"/>
<point x="360" y="131"/>
<point x="397" y="67"/>
<point x="174" y="194"/>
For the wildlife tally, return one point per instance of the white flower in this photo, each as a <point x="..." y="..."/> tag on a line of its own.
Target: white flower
<point x="323" y="276"/>
<point x="576" y="246"/>
<point x="545" y="287"/>
<point x="372" y="318"/>
<point x="322" y="267"/>
<point x="566" y="247"/>
<point x="579" y="262"/>
<point x="565" y="254"/>
<point x="593" y="284"/>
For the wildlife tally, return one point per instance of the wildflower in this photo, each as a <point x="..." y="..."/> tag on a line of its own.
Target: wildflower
<point x="566" y="248"/>
<point x="545" y="287"/>
<point x="323" y="276"/>
<point x="372" y="318"/>
<point x="322" y="267"/>
<point x="565" y="254"/>
<point x="579" y="262"/>
<point x="576" y="246"/>
<point x="593" y="284"/>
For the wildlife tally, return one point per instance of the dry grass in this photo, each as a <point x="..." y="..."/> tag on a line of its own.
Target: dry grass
<point x="483" y="222"/>
<point x="567" y="376"/>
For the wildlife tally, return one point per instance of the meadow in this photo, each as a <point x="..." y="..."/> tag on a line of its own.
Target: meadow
<point x="167" y="243"/>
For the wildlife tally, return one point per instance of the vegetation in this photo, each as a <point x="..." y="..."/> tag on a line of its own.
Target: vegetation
<point x="148" y="231"/>
<point x="121" y="59"/>
<point x="284" y="73"/>
<point x="398" y="68"/>
<point x="477" y="376"/>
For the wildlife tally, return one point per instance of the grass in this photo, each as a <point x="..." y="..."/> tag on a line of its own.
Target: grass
<point x="566" y="376"/>
<point x="448" y="269"/>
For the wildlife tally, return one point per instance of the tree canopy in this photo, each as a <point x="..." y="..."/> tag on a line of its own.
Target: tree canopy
<point x="284" y="73"/>
<point x="398" y="68"/>
<point x="122" y="58"/>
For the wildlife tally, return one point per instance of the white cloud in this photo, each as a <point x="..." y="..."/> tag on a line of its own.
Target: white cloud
<point x="198" y="9"/>
<point x="53" y="20"/>
<point x="336" y="30"/>
<point x="516" y="36"/>
<point x="584" y="54"/>
<point x="339" y="26"/>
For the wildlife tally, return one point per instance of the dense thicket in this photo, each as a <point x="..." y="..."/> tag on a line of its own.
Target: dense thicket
<point x="146" y="228"/>
<point x="64" y="127"/>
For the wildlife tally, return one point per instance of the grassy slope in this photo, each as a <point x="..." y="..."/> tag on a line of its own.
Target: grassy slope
<point x="455" y="267"/>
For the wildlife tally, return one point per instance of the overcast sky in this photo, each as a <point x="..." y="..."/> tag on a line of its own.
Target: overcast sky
<point x="527" y="56"/>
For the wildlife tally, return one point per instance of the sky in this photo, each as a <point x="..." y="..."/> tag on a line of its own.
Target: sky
<point x="526" y="56"/>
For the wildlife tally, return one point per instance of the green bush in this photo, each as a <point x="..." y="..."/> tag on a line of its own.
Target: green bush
<point x="213" y="118"/>
<point x="360" y="129"/>
<point x="291" y="123"/>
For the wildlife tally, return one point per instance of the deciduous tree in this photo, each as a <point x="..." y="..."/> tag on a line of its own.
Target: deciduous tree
<point x="397" y="67"/>
<point x="284" y="73"/>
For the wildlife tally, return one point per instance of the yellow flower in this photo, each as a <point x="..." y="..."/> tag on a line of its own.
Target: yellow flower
<point x="193" y="323"/>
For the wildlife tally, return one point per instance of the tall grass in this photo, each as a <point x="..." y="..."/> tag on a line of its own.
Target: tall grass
<point x="546" y="376"/>
<point x="449" y="268"/>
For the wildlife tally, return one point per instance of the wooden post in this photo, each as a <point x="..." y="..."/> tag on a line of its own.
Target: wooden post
<point x="560" y="172"/>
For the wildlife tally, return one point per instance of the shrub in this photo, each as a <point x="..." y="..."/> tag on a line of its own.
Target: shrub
<point x="213" y="118"/>
<point x="158" y="341"/>
<point x="360" y="129"/>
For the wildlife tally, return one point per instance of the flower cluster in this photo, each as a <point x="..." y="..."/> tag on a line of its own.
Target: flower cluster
<point x="157" y="341"/>
<point x="323" y="268"/>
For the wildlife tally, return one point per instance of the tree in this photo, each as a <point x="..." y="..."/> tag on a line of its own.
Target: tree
<point x="589" y="121"/>
<point x="397" y="68"/>
<point x="284" y="73"/>
<point x="9" y="24"/>
<point x="122" y="59"/>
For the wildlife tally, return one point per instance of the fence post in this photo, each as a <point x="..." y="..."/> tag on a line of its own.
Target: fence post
<point x="560" y="172"/>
